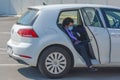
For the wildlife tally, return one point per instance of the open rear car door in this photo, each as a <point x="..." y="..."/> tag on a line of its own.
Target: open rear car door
<point x="97" y="33"/>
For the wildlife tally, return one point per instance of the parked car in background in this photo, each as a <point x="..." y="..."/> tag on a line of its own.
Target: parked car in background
<point x="39" y="40"/>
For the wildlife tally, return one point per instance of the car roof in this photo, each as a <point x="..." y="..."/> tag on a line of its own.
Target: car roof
<point x="64" y="6"/>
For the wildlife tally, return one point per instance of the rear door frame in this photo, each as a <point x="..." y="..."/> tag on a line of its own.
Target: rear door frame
<point x="92" y="36"/>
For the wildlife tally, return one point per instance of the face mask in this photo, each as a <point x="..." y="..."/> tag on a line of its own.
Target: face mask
<point x="70" y="27"/>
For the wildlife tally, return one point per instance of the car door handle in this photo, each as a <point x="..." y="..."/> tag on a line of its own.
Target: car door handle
<point x="115" y="35"/>
<point x="96" y="34"/>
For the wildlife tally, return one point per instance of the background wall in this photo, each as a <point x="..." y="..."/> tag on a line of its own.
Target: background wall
<point x="14" y="7"/>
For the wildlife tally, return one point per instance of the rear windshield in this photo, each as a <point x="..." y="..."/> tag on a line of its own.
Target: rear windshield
<point x="28" y="18"/>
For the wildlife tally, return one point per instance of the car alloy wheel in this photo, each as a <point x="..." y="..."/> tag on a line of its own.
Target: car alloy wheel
<point x="55" y="63"/>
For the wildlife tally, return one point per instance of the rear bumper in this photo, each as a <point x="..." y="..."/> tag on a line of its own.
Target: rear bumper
<point x="15" y="57"/>
<point x="16" y="49"/>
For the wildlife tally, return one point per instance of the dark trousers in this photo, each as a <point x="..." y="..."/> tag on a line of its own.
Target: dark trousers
<point x="81" y="48"/>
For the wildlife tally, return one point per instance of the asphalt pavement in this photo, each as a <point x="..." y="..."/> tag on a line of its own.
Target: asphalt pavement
<point x="12" y="70"/>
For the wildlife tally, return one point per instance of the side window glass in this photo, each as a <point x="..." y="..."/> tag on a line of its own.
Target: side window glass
<point x="72" y="14"/>
<point x="91" y="17"/>
<point x="113" y="18"/>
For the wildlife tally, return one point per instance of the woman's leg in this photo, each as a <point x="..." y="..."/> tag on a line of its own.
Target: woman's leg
<point x="83" y="52"/>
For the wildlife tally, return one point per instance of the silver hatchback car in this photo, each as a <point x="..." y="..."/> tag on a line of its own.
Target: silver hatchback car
<point x="38" y="38"/>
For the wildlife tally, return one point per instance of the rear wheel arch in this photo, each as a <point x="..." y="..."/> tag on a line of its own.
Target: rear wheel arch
<point x="58" y="45"/>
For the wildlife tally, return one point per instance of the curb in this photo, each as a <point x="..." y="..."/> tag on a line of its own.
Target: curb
<point x="9" y="17"/>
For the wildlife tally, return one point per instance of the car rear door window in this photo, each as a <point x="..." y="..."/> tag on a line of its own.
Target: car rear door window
<point x="74" y="14"/>
<point x="28" y="18"/>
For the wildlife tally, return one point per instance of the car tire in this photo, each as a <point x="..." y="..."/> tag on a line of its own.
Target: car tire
<point x="54" y="62"/>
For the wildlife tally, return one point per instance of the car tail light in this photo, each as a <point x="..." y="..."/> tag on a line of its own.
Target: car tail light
<point x="27" y="33"/>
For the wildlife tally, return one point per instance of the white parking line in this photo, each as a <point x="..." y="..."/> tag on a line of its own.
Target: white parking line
<point x="4" y="53"/>
<point x="12" y="65"/>
<point x="4" y="32"/>
<point x="3" y="49"/>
